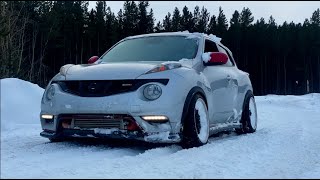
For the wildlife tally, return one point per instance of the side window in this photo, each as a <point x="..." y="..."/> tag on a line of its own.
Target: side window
<point x="210" y="46"/>
<point x="229" y="62"/>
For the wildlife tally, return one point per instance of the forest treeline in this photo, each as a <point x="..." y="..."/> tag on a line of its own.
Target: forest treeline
<point x="38" y="37"/>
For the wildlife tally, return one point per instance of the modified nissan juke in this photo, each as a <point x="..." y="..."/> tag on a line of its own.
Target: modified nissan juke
<point x="176" y="87"/>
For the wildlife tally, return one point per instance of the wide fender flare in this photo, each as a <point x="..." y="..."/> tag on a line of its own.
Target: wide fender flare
<point x="248" y="92"/>
<point x="195" y="90"/>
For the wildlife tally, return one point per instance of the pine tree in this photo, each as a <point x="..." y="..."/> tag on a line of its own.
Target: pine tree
<point x="306" y="22"/>
<point x="111" y="28"/>
<point x="201" y="26"/>
<point x="246" y="17"/>
<point x="233" y="38"/>
<point x="150" y="22"/>
<point x="235" y="20"/>
<point x="272" y="21"/>
<point x="78" y="29"/>
<point x="167" y="23"/>
<point x="91" y="32"/>
<point x="100" y="26"/>
<point x="186" y="20"/>
<point x="159" y="27"/>
<point x="314" y="46"/>
<point x="196" y="18"/>
<point x="222" y="23"/>
<point x="315" y="19"/>
<point x="176" y="18"/>
<point x="120" y="25"/>
<point x="143" y="21"/>
<point x="130" y="18"/>
<point x="212" y="27"/>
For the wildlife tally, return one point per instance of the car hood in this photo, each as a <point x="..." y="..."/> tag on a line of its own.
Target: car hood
<point x="109" y="71"/>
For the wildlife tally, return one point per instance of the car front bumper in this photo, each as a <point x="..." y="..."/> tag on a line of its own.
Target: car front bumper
<point x="170" y="104"/>
<point x="156" y="137"/>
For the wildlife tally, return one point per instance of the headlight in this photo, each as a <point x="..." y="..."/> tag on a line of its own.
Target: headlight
<point x="64" y="69"/>
<point x="50" y="92"/>
<point x="165" y="67"/>
<point x="152" y="91"/>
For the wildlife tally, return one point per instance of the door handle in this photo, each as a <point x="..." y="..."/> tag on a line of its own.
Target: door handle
<point x="229" y="78"/>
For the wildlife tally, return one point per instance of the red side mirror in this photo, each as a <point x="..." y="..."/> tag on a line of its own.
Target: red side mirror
<point x="218" y="58"/>
<point x="93" y="59"/>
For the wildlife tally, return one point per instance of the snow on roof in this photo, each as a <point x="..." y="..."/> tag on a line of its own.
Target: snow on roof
<point x="213" y="37"/>
<point x="185" y="33"/>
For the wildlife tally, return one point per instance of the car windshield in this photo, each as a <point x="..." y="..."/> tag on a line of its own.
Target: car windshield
<point x="153" y="48"/>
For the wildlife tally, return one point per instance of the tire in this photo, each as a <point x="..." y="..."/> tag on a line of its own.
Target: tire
<point x="195" y="132"/>
<point x="57" y="138"/>
<point x="249" y="117"/>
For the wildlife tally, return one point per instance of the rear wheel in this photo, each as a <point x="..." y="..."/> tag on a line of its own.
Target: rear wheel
<point x="196" y="125"/>
<point x="249" y="116"/>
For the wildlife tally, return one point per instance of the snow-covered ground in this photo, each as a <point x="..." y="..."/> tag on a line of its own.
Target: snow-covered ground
<point x="286" y="145"/>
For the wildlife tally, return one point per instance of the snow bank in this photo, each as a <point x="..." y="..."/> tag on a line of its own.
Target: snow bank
<point x="20" y="103"/>
<point x="306" y="102"/>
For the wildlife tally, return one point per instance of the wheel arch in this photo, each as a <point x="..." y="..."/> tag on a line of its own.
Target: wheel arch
<point x="195" y="90"/>
<point x="249" y="91"/>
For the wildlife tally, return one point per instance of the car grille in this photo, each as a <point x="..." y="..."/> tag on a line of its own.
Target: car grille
<point x="99" y="88"/>
<point x="107" y="121"/>
<point x="97" y="122"/>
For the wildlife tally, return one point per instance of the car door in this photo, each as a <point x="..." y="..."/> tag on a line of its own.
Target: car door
<point x="232" y="86"/>
<point x="222" y="85"/>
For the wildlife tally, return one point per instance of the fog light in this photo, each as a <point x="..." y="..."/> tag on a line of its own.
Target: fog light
<point x="46" y="116"/>
<point x="155" y="118"/>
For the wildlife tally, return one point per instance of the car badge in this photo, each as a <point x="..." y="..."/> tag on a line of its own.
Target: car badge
<point x="92" y="87"/>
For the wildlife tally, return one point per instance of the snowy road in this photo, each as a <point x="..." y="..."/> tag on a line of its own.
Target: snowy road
<point x="286" y="145"/>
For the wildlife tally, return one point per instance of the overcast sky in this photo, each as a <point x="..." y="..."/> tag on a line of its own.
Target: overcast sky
<point x="295" y="11"/>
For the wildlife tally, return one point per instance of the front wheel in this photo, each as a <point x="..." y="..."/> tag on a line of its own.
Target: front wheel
<point x="56" y="140"/>
<point x="196" y="125"/>
<point x="249" y="116"/>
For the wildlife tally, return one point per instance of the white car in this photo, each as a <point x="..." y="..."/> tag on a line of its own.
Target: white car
<point x="176" y="87"/>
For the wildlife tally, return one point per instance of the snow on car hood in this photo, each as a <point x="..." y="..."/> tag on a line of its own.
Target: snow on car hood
<point x="109" y="70"/>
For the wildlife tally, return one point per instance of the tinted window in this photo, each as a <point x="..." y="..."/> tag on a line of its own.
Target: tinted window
<point x="210" y="46"/>
<point x="156" y="48"/>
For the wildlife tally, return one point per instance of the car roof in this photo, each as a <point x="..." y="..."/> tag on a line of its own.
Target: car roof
<point x="180" y="33"/>
<point x="184" y="33"/>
